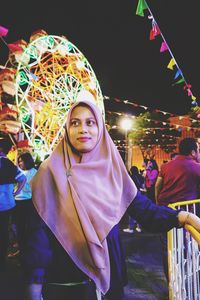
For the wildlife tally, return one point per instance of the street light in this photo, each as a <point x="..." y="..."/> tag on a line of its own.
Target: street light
<point x="126" y="125"/>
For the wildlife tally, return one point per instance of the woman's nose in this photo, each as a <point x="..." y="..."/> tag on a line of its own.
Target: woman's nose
<point x="83" y="128"/>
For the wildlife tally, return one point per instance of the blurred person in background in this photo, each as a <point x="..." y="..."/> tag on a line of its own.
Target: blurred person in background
<point x="138" y="179"/>
<point x="150" y="178"/>
<point x="24" y="197"/>
<point x="12" y="181"/>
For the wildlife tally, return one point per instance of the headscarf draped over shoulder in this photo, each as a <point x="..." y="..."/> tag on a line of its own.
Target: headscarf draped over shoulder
<point x="81" y="202"/>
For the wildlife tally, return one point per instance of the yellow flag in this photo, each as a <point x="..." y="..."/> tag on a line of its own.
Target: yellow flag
<point x="171" y="64"/>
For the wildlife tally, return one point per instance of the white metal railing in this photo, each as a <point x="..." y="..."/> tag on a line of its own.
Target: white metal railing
<point x="183" y="258"/>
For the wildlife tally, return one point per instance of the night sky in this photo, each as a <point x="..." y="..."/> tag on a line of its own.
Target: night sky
<point x="116" y="43"/>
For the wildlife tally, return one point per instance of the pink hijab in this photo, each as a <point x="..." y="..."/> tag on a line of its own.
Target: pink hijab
<point x="81" y="202"/>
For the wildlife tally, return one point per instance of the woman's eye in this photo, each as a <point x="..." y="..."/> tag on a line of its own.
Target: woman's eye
<point x="91" y="122"/>
<point x="74" y="123"/>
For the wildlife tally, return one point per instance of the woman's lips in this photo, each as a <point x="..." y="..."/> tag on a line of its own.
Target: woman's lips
<point x="83" y="139"/>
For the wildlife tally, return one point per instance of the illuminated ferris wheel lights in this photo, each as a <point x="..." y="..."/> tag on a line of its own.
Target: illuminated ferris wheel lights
<point x="48" y="85"/>
<point x="62" y="50"/>
<point x="80" y="64"/>
<point x="42" y="45"/>
<point x="91" y="84"/>
<point x="33" y="76"/>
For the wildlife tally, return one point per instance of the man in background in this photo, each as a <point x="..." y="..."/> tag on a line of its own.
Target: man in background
<point x="178" y="180"/>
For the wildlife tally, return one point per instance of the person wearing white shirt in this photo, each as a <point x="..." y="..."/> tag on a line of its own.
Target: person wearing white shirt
<point x="23" y="199"/>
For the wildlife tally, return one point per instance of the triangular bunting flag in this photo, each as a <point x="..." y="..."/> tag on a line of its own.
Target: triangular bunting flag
<point x="187" y="86"/>
<point x="178" y="73"/>
<point x="163" y="47"/>
<point x="152" y="35"/>
<point x="154" y="31"/>
<point x="194" y="102"/>
<point x="193" y="97"/>
<point x="3" y="31"/>
<point x="180" y="81"/>
<point x="141" y="7"/>
<point x="171" y="64"/>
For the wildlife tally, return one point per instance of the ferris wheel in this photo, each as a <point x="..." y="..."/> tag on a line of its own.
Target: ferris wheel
<point x="50" y="74"/>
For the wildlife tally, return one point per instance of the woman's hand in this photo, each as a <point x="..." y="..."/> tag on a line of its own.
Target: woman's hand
<point x="185" y="217"/>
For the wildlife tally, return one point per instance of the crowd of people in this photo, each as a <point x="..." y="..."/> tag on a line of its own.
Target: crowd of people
<point x="69" y="210"/>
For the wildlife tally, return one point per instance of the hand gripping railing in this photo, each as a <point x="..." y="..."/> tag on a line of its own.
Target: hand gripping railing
<point x="183" y="257"/>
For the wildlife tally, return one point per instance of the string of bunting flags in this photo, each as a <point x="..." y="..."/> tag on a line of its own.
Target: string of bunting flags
<point x="148" y="131"/>
<point x="179" y="77"/>
<point x="122" y="147"/>
<point x="174" y="125"/>
<point x="146" y="108"/>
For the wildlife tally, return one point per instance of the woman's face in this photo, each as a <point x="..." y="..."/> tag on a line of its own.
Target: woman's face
<point x="21" y="163"/>
<point x="83" y="130"/>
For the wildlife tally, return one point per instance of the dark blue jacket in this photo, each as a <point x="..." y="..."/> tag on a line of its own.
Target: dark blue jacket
<point x="44" y="259"/>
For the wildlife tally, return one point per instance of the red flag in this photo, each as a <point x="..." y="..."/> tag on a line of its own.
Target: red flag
<point x="187" y="86"/>
<point x="152" y="35"/>
<point x="154" y="32"/>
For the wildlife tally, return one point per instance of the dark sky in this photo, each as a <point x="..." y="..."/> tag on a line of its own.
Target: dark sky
<point x="116" y="43"/>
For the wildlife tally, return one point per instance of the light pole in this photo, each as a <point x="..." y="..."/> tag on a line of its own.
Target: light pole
<point x="126" y="125"/>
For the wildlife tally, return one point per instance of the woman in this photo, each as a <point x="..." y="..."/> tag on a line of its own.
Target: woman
<point x="80" y="193"/>
<point x="23" y="203"/>
<point x="150" y="178"/>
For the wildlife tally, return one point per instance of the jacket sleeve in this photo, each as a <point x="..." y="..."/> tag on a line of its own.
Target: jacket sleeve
<point x="152" y="217"/>
<point x="36" y="253"/>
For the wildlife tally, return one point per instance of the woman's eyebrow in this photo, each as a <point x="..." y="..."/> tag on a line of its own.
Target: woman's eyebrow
<point x="90" y="118"/>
